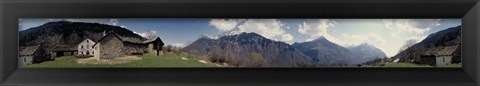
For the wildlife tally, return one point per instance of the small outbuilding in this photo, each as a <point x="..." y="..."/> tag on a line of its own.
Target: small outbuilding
<point x="155" y="46"/>
<point x="439" y="56"/>
<point x="31" y="54"/>
<point x="64" y="50"/>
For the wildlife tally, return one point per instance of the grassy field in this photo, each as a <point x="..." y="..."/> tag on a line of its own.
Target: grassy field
<point x="166" y="60"/>
<point x="454" y="65"/>
<point x="401" y="64"/>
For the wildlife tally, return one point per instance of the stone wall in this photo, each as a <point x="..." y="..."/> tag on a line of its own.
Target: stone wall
<point x="25" y="60"/>
<point x="134" y="48"/>
<point x="443" y="60"/>
<point x="152" y="50"/>
<point x="96" y="51"/>
<point x="85" y="47"/>
<point x="111" y="47"/>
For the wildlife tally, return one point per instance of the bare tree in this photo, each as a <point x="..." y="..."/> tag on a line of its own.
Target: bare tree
<point x="409" y="43"/>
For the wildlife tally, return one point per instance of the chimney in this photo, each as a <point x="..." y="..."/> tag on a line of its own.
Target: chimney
<point x="104" y="33"/>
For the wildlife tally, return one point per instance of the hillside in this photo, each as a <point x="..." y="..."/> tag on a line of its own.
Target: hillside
<point x="65" y="33"/>
<point x="250" y="50"/>
<point x="439" y="40"/>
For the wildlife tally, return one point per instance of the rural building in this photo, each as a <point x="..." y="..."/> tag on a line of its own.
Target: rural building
<point x="108" y="47"/>
<point x="440" y="56"/>
<point x="64" y="50"/>
<point x="31" y="54"/>
<point x="112" y="45"/>
<point x="86" y="47"/>
<point x="155" y="46"/>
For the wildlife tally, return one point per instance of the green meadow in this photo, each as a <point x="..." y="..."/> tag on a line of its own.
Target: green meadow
<point x="163" y="61"/>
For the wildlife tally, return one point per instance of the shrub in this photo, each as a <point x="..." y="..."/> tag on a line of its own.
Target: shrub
<point x="257" y="60"/>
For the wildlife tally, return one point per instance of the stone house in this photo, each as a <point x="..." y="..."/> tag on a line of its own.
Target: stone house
<point x="112" y="46"/>
<point x="440" y="56"/>
<point x="86" y="47"/>
<point x="31" y="54"/>
<point x="108" y="47"/>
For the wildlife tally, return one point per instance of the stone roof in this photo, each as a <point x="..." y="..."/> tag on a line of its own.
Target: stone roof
<point x="153" y="40"/>
<point x="440" y="51"/>
<point x="64" y="48"/>
<point x="28" y="50"/>
<point x="130" y="40"/>
<point x="123" y="39"/>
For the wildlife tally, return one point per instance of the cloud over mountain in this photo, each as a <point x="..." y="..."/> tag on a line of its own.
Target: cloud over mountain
<point x="147" y="34"/>
<point x="418" y="26"/>
<point x="269" y="28"/>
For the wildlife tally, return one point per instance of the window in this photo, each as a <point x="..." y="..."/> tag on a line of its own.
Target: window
<point x="82" y="46"/>
<point x="87" y="41"/>
<point x="24" y="59"/>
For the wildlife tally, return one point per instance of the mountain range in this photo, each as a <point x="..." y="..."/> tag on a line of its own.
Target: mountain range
<point x="250" y="50"/>
<point x="241" y="49"/>
<point x="322" y="50"/>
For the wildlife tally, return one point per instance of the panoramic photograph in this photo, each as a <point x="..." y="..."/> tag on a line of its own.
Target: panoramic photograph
<point x="238" y="43"/>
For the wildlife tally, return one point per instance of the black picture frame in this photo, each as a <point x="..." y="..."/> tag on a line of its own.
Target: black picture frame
<point x="12" y="10"/>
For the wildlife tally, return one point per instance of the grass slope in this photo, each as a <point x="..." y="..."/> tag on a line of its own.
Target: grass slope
<point x="404" y="64"/>
<point x="166" y="60"/>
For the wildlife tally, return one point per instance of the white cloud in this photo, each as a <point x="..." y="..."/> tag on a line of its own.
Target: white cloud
<point x="102" y="21"/>
<point x="418" y="26"/>
<point x="287" y="37"/>
<point x="56" y="19"/>
<point x="114" y="22"/>
<point x="370" y="38"/>
<point x="268" y="28"/>
<point x="178" y="45"/>
<point x="315" y="28"/>
<point x="265" y="27"/>
<point x="224" y="25"/>
<point x="123" y="26"/>
<point x="147" y="34"/>
<point x="419" y="38"/>
<point x="388" y="23"/>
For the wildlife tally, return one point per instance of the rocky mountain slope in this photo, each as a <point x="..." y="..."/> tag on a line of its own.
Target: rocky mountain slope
<point x="250" y="50"/>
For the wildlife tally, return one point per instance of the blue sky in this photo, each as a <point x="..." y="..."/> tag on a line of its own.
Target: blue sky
<point x="386" y="34"/>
